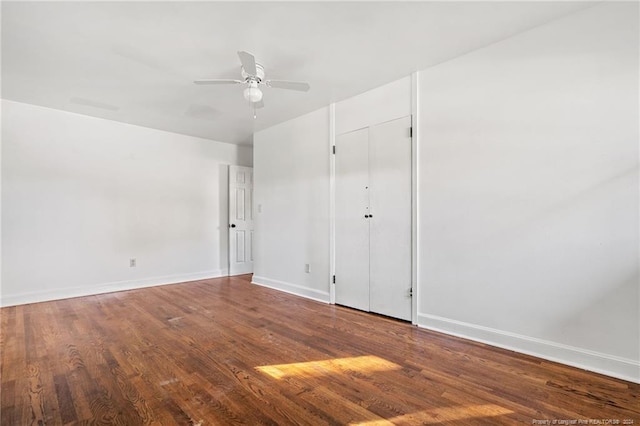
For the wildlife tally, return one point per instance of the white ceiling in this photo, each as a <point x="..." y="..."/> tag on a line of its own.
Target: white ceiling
<point x="136" y="62"/>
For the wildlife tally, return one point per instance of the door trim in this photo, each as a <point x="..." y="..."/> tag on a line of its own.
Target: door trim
<point x="332" y="203"/>
<point x="415" y="246"/>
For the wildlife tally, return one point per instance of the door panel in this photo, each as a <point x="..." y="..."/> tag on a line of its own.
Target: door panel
<point x="352" y="228"/>
<point x="240" y="246"/>
<point x="240" y="220"/>
<point x="390" y="224"/>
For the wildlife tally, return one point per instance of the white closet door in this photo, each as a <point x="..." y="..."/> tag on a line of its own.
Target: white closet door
<point x="390" y="203"/>
<point x="352" y="228"/>
<point x="240" y="220"/>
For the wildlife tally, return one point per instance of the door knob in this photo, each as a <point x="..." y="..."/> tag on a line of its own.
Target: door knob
<point x="233" y="225"/>
<point x="366" y="216"/>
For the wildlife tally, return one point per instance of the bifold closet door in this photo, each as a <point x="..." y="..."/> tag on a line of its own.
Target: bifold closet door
<point x="352" y="227"/>
<point x="390" y="224"/>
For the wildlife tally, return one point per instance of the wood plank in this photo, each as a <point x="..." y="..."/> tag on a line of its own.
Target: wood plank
<point x="224" y="351"/>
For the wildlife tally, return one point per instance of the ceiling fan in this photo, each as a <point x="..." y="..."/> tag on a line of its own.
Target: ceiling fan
<point x="253" y="76"/>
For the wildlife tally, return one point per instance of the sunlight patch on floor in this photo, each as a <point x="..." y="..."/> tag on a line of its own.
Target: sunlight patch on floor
<point x="444" y="414"/>
<point x="363" y="364"/>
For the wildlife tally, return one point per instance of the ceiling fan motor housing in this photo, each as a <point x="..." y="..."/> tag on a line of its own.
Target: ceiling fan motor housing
<point x="259" y="73"/>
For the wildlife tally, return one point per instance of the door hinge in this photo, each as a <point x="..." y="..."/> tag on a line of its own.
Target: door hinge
<point x="334" y="149"/>
<point x="334" y="279"/>
<point x="411" y="292"/>
<point x="411" y="131"/>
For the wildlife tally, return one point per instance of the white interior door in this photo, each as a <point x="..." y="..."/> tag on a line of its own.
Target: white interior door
<point x="390" y="222"/>
<point x="352" y="227"/>
<point x="240" y="220"/>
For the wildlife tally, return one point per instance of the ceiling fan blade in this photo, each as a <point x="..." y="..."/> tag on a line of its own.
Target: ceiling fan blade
<point x="218" y="81"/>
<point x="248" y="62"/>
<point x="259" y="104"/>
<point x="290" y="85"/>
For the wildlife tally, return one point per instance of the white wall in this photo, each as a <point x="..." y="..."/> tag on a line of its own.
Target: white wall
<point x="81" y="196"/>
<point x="291" y="199"/>
<point x="382" y="104"/>
<point x="529" y="192"/>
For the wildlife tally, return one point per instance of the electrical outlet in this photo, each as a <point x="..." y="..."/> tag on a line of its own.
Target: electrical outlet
<point x="307" y="268"/>
<point x="132" y="263"/>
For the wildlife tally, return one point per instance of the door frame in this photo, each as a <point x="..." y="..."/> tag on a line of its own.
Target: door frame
<point x="250" y="220"/>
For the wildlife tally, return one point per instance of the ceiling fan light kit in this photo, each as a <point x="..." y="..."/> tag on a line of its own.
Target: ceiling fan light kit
<point x="252" y="76"/>
<point x="252" y="93"/>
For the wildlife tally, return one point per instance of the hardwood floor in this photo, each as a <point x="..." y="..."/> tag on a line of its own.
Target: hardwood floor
<point x="223" y="351"/>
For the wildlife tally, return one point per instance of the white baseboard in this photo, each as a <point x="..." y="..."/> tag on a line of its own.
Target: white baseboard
<point x="610" y="365"/>
<point x="298" y="290"/>
<point x="66" y="293"/>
